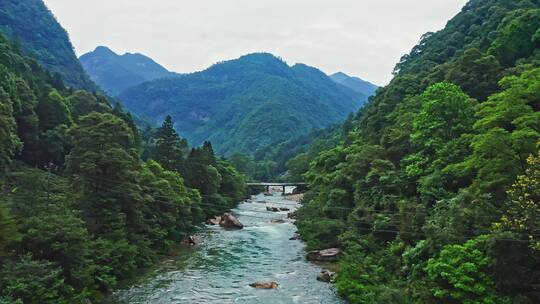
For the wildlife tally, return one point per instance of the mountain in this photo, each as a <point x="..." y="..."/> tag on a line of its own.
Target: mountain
<point x="247" y="103"/>
<point x="115" y="73"/>
<point x="355" y="83"/>
<point x="35" y="29"/>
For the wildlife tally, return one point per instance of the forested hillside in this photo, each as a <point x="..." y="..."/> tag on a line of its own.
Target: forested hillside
<point x="39" y="35"/>
<point x="434" y="194"/>
<point x="79" y="209"/>
<point x="245" y="104"/>
<point x="116" y="73"/>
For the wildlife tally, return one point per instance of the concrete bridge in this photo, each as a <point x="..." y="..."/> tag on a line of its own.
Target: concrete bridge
<point x="283" y="185"/>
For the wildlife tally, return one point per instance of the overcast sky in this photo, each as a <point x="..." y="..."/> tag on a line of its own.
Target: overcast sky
<point x="364" y="38"/>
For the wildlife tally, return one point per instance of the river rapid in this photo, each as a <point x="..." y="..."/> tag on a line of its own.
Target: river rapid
<point x="220" y="269"/>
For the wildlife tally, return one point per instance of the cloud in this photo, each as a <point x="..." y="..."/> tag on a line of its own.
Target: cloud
<point x="364" y="38"/>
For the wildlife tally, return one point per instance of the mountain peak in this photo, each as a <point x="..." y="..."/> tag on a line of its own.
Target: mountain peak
<point x="355" y="83"/>
<point x="103" y="50"/>
<point x="116" y="73"/>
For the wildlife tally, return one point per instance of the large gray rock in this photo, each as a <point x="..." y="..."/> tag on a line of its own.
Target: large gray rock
<point x="326" y="276"/>
<point x="214" y="221"/>
<point x="230" y="221"/>
<point x="325" y="255"/>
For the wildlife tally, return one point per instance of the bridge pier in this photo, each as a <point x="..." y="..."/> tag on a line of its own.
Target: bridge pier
<point x="267" y="189"/>
<point x="283" y="193"/>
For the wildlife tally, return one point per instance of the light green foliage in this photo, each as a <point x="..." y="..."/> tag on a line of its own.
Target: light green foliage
<point x="507" y="131"/>
<point x="523" y="213"/>
<point x="446" y="113"/>
<point x="460" y="274"/>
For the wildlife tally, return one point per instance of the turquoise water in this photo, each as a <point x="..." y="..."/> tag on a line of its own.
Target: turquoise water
<point x="220" y="269"/>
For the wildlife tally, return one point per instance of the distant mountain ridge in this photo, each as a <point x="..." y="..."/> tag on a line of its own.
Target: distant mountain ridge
<point x="34" y="27"/>
<point x="116" y="73"/>
<point x="245" y="104"/>
<point x="355" y="83"/>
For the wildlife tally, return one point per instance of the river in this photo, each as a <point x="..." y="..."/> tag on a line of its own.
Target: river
<point x="220" y="269"/>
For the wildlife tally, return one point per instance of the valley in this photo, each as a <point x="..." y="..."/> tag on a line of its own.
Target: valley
<point x="124" y="179"/>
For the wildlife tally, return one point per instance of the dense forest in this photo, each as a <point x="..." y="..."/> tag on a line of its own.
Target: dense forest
<point x="245" y="104"/>
<point x="79" y="207"/>
<point x="434" y="193"/>
<point x="32" y="26"/>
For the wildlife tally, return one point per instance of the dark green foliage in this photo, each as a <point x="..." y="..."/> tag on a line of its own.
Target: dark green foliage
<point x="115" y="73"/>
<point x="169" y="149"/>
<point x="245" y="104"/>
<point x="9" y="141"/>
<point x="34" y="281"/>
<point x="30" y="23"/>
<point x="90" y="212"/>
<point x="419" y="193"/>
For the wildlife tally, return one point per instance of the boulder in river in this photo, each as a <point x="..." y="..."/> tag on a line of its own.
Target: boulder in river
<point x="190" y="240"/>
<point x="230" y="221"/>
<point x="326" y="276"/>
<point x="295" y="237"/>
<point x="325" y="255"/>
<point x="267" y="194"/>
<point x="284" y="209"/>
<point x="273" y="209"/>
<point x="277" y="221"/>
<point x="264" y="285"/>
<point x="214" y="221"/>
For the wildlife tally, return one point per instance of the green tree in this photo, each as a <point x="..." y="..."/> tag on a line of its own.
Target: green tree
<point x="103" y="165"/>
<point x="83" y="103"/>
<point x="460" y="274"/>
<point x="446" y="114"/>
<point x="507" y="130"/>
<point x="169" y="148"/>
<point x="34" y="281"/>
<point x="518" y="37"/>
<point x="53" y="111"/>
<point x="523" y="215"/>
